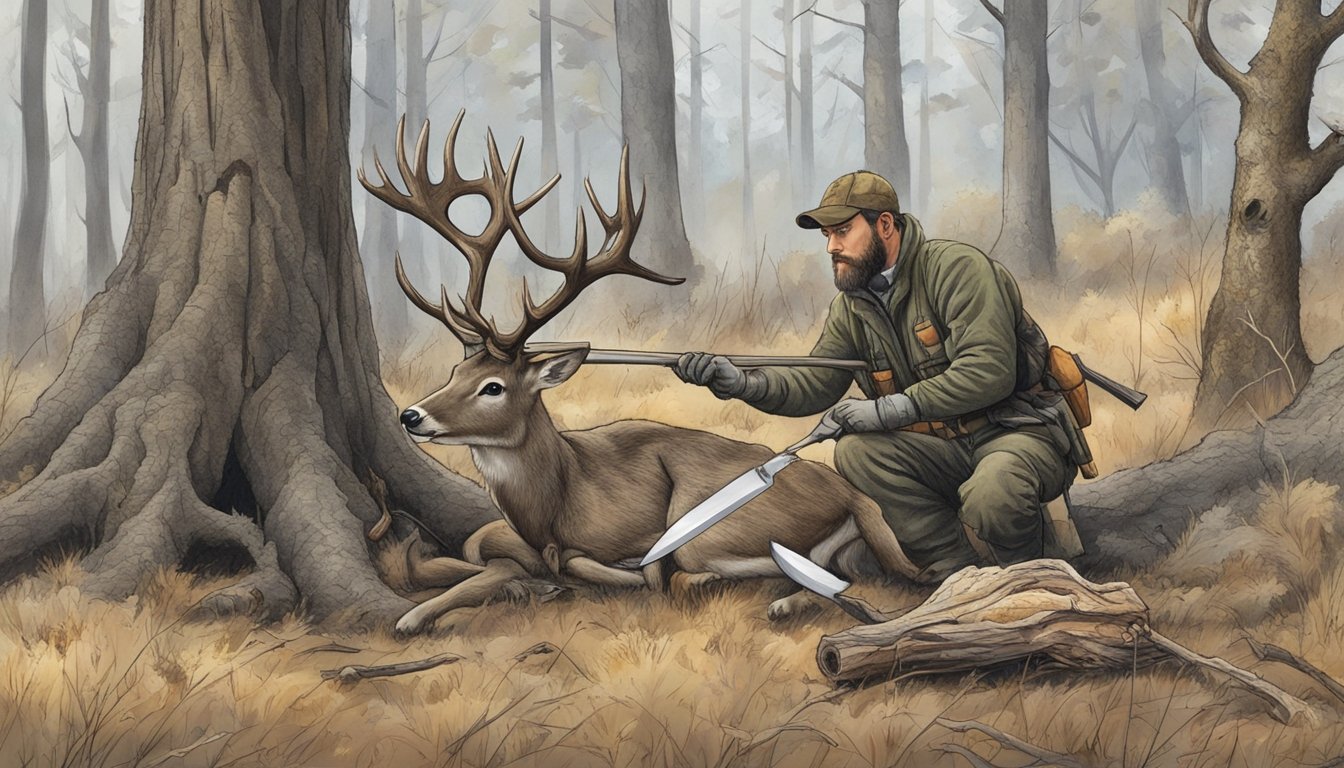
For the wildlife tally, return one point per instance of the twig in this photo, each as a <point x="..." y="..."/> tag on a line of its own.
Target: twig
<point x="1284" y="706"/>
<point x="1012" y="742"/>
<point x="356" y="672"/>
<point x="975" y="760"/>
<point x="1268" y="652"/>
<point x="1249" y="322"/>
<point x="184" y="751"/>
<point x="329" y="648"/>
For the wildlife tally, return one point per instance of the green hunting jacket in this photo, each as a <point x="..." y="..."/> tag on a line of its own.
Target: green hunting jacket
<point x="988" y="355"/>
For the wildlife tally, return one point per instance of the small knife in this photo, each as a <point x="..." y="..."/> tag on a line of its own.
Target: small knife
<point x="816" y="579"/>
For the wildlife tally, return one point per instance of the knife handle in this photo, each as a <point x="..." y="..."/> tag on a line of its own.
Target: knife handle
<point x="860" y="609"/>
<point x="826" y="429"/>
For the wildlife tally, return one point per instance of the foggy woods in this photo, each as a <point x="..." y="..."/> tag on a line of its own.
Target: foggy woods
<point x="209" y="331"/>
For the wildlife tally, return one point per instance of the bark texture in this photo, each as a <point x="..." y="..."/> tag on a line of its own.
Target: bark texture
<point x="886" y="150"/>
<point x="1028" y="238"/>
<point x="1253" y="350"/>
<point x="378" y="240"/>
<point x="648" y="124"/>
<point x="27" y="298"/>
<point x="1135" y="517"/>
<point x="1169" y="110"/>
<point x="222" y="398"/>
<point x="748" y="189"/>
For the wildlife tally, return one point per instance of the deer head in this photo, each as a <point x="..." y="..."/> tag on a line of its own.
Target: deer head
<point x="490" y="395"/>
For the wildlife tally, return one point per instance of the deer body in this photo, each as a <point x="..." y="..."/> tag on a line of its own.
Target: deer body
<point x="585" y="504"/>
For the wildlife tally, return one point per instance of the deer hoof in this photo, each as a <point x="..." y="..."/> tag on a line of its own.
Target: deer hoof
<point x="789" y="607"/>
<point x="411" y="624"/>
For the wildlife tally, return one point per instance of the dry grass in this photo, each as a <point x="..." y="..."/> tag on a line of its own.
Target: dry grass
<point x="639" y="680"/>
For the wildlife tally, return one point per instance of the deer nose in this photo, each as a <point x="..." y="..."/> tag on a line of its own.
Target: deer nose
<point x="411" y="417"/>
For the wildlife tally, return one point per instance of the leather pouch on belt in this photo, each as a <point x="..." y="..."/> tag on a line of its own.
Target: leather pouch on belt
<point x="883" y="383"/>
<point x="1065" y="372"/>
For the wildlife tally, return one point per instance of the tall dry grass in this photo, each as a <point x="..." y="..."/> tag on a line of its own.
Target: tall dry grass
<point x="637" y="679"/>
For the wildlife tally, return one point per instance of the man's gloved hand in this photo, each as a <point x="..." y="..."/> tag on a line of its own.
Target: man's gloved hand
<point x="883" y="414"/>
<point x="716" y="372"/>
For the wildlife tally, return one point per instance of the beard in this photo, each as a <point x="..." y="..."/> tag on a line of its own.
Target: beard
<point x="853" y="274"/>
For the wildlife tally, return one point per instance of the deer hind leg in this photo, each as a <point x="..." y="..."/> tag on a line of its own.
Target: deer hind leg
<point x="584" y="568"/>
<point x="828" y="550"/>
<point x="492" y="581"/>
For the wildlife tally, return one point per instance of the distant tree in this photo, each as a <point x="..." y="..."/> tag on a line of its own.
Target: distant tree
<point x="380" y="127"/>
<point x="1028" y="237"/>
<point x="93" y="83"/>
<point x="550" y="164"/>
<point x="748" y="181"/>
<point x="1168" y="110"/>
<point x="648" y="124"/>
<point x="1253" y="350"/>
<point x="27" y="297"/>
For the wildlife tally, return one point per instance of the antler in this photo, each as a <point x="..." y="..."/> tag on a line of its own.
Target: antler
<point x="429" y="202"/>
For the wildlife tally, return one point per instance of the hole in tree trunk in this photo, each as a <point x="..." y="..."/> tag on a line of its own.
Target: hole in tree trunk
<point x="205" y="559"/>
<point x="234" y="494"/>
<point x="1256" y="215"/>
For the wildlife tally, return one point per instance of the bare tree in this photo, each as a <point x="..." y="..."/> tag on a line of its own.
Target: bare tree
<point x="222" y="401"/>
<point x="1028" y="237"/>
<point x="27" y="297"/>
<point x="748" y="199"/>
<point x="1253" y="351"/>
<point x="694" y="200"/>
<point x="380" y="223"/>
<point x="806" y="114"/>
<point x="648" y="123"/>
<point x="91" y="141"/>
<point x="1168" y="110"/>
<point x="550" y="163"/>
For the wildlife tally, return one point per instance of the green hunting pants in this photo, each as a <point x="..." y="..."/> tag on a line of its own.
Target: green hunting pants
<point x="993" y="481"/>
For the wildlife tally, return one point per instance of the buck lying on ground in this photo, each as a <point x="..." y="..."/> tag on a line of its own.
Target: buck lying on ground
<point x="587" y="504"/>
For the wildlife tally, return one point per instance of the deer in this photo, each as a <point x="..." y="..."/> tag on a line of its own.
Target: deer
<point x="584" y="505"/>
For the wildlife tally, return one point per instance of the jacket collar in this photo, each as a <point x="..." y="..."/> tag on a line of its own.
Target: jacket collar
<point x="912" y="244"/>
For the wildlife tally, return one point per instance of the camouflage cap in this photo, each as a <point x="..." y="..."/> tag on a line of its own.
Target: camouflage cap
<point x="846" y="196"/>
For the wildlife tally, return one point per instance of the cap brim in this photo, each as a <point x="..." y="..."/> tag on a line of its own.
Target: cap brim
<point x="826" y="216"/>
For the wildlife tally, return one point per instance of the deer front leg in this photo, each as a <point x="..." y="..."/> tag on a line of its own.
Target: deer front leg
<point x="580" y="566"/>
<point x="474" y="591"/>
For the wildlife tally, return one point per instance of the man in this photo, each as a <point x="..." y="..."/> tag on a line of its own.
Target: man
<point x="957" y="439"/>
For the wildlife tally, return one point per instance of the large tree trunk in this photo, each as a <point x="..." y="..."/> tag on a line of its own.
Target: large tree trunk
<point x="1253" y="350"/>
<point x="886" y="150"/>
<point x="1135" y="517"/>
<point x="92" y="144"/>
<point x="27" y="298"/>
<point x="550" y="164"/>
<point x="229" y="374"/>
<point x="1028" y="238"/>
<point x="415" y="256"/>
<point x="379" y="241"/>
<point x="925" y="195"/>
<point x="1164" y="153"/>
<point x="748" y="199"/>
<point x="648" y="123"/>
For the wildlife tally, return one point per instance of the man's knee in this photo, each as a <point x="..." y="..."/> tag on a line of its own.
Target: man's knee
<point x="1000" y="503"/>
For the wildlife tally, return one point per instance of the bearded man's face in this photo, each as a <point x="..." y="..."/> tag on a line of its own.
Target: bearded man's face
<point x="852" y="269"/>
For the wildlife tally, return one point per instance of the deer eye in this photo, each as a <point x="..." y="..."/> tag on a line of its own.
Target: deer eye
<point x="493" y="389"/>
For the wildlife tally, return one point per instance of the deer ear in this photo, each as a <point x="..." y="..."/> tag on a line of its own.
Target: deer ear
<point x="554" y="371"/>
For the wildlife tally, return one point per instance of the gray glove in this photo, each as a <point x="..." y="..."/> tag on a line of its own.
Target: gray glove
<point x="717" y="373"/>
<point x="883" y="414"/>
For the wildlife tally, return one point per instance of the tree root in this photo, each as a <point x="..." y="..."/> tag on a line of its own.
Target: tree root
<point x="1268" y="652"/>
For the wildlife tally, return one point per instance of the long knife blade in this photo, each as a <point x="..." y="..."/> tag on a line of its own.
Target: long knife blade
<point x="722" y="503"/>
<point x="814" y="578"/>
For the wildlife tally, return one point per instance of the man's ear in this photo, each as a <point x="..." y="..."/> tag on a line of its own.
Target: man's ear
<point x="554" y="371"/>
<point x="886" y="224"/>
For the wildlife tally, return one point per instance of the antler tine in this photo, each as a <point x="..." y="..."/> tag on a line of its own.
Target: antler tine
<point x="422" y="154"/>
<point x="418" y="300"/>
<point x="450" y="174"/>
<point x="407" y="175"/>
<point x="458" y="322"/>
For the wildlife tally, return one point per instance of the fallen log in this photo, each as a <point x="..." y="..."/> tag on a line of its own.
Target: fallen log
<point x="1042" y="610"/>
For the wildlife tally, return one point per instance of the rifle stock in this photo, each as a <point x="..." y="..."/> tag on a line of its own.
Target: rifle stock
<point x="1131" y="397"/>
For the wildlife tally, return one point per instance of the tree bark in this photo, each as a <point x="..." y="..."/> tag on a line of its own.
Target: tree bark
<point x="415" y="256"/>
<point x="101" y="253"/>
<point x="886" y="149"/>
<point x="1028" y="238"/>
<point x="694" y="201"/>
<point x="1254" y="358"/>
<point x="27" y="297"/>
<point x="648" y="123"/>
<point x="925" y="196"/>
<point x="379" y="243"/>
<point x="1165" y="164"/>
<point x="229" y="373"/>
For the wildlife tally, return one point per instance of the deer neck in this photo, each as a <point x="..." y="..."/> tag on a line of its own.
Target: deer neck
<point x="528" y="480"/>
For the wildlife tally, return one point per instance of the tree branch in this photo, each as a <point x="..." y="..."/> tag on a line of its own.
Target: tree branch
<point x="995" y="12"/>
<point x="1197" y="23"/>
<point x="1327" y="157"/>
<point x="769" y="47"/>
<point x="853" y="86"/>
<point x="1078" y="161"/>
<point x="1041" y="754"/>
<point x="812" y="9"/>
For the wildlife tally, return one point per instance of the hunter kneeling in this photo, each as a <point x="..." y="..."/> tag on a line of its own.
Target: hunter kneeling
<point x="963" y="434"/>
